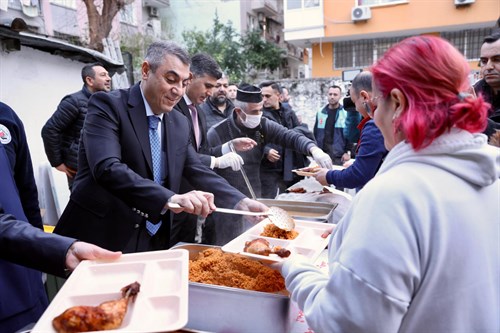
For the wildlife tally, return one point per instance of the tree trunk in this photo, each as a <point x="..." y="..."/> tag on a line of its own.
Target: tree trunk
<point x="100" y="24"/>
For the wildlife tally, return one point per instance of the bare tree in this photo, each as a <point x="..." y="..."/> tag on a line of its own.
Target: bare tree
<point x="100" y="24"/>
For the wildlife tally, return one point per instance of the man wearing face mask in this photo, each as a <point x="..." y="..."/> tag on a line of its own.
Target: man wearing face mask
<point x="247" y="121"/>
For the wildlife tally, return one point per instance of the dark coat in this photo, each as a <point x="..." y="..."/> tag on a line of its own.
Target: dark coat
<point x="22" y="242"/>
<point x="269" y="132"/>
<point x="213" y="114"/>
<point x="287" y="118"/>
<point x="114" y="192"/>
<point x="61" y="133"/>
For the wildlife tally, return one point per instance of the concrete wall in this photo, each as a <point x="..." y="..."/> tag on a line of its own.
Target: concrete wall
<point x="33" y="83"/>
<point x="308" y="96"/>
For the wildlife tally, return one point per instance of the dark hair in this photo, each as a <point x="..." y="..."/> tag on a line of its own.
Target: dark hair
<point x="362" y="81"/>
<point x="275" y="86"/>
<point x="493" y="37"/>
<point x="157" y="51"/>
<point x="203" y="64"/>
<point x="88" y="70"/>
<point x="336" y="87"/>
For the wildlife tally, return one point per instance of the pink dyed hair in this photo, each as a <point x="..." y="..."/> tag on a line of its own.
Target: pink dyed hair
<point x="431" y="73"/>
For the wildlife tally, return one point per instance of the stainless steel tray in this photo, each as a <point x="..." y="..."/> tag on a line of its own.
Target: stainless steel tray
<point x="223" y="309"/>
<point x="303" y="210"/>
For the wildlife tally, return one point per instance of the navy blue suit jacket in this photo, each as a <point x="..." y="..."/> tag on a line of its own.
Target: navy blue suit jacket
<point x="114" y="192"/>
<point x="22" y="242"/>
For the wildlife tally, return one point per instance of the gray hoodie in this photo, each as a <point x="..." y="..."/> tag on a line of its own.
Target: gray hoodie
<point x="418" y="251"/>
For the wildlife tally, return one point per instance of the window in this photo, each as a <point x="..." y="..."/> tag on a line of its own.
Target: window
<point x="127" y="14"/>
<point x="379" y="2"/>
<point x="468" y="41"/>
<point x="298" y="4"/>
<point x="65" y="3"/>
<point x="361" y="53"/>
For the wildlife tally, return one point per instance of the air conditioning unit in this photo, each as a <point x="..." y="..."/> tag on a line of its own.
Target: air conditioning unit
<point x="153" y="12"/>
<point x="463" y="2"/>
<point x="361" y="13"/>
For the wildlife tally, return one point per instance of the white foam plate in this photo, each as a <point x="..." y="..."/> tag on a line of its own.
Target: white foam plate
<point x="161" y="305"/>
<point x="308" y="243"/>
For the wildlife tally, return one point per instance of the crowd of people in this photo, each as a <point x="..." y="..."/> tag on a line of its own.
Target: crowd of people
<point x="148" y="165"/>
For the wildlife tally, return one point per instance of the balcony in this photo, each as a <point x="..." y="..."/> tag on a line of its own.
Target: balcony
<point x="156" y="3"/>
<point x="266" y="7"/>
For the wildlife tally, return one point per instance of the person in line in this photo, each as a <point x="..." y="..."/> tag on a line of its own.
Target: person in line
<point x="24" y="248"/>
<point x="276" y="168"/>
<point x="351" y="131"/>
<point x="248" y="121"/>
<point x="285" y="97"/>
<point x="133" y="154"/>
<point x="489" y="85"/>
<point x="370" y="150"/>
<point x="489" y="63"/>
<point x="218" y="106"/>
<point x="231" y="91"/>
<point x="61" y="132"/>
<point x="205" y="72"/>
<point x="329" y="127"/>
<point x="424" y="231"/>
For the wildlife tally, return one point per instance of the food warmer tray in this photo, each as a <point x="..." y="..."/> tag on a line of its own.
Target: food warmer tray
<point x="224" y="309"/>
<point x="303" y="210"/>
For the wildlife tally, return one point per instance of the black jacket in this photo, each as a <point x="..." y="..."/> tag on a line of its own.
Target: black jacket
<point x="61" y="133"/>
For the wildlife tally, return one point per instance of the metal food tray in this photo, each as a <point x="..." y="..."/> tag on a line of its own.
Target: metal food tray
<point x="224" y="309"/>
<point x="303" y="210"/>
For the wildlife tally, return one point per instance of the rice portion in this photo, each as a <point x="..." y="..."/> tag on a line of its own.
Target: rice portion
<point x="233" y="270"/>
<point x="270" y="230"/>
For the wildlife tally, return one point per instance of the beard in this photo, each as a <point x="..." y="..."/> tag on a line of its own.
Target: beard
<point x="219" y="100"/>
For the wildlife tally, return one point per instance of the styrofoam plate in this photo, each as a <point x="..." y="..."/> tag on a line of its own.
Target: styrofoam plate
<point x="308" y="243"/>
<point x="161" y="305"/>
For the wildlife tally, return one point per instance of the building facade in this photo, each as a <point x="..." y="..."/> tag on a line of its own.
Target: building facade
<point x="347" y="36"/>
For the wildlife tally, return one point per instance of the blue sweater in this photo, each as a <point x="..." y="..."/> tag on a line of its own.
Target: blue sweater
<point x="369" y="157"/>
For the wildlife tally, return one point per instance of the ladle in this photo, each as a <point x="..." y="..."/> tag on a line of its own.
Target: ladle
<point x="278" y="216"/>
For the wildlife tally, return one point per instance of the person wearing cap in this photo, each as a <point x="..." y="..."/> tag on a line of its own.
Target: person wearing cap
<point x="247" y="121"/>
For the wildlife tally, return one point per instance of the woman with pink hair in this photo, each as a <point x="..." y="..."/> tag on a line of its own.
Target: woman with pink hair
<point x="418" y="251"/>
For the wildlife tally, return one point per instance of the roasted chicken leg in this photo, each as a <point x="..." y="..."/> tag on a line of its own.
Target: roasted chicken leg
<point x="262" y="247"/>
<point x="106" y="316"/>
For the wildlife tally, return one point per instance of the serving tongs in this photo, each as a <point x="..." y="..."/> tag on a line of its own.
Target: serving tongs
<point x="278" y="216"/>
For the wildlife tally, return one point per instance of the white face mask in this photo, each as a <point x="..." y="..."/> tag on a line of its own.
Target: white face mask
<point x="251" y="121"/>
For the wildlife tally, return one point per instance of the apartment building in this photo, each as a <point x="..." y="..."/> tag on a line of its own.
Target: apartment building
<point x="346" y="36"/>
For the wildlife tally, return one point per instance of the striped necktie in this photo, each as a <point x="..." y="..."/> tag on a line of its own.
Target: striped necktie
<point x="154" y="142"/>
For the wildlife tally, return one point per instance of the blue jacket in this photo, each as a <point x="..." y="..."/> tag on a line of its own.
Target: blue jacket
<point x="329" y="131"/>
<point x="371" y="152"/>
<point x="22" y="294"/>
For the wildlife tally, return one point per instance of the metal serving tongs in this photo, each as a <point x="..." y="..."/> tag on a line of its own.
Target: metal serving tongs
<point x="279" y="217"/>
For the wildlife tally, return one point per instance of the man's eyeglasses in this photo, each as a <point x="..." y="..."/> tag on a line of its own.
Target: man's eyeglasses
<point x="495" y="60"/>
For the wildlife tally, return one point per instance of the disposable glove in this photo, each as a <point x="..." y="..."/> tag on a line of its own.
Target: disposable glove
<point x="231" y="159"/>
<point x="322" y="158"/>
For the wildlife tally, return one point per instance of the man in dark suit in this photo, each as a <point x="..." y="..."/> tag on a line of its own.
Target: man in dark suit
<point x="22" y="242"/>
<point x="129" y="171"/>
<point x="205" y="72"/>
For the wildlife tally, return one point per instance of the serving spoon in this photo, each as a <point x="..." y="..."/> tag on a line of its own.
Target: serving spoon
<point x="278" y="216"/>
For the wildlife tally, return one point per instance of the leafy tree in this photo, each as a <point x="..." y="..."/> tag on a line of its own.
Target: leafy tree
<point x="237" y="55"/>
<point x="260" y="53"/>
<point x="100" y="24"/>
<point x="221" y="42"/>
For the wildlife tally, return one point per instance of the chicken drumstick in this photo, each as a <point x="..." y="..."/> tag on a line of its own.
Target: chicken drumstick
<point x="106" y="316"/>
